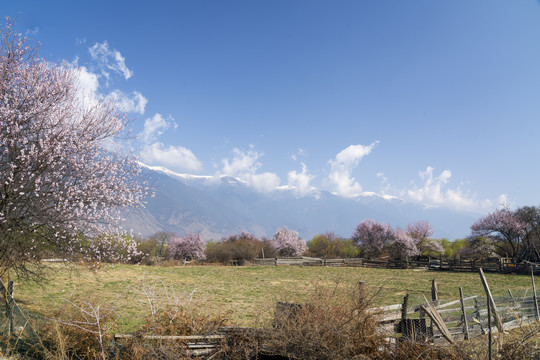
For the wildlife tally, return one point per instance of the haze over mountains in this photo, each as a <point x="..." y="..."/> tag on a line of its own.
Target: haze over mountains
<point x="221" y="205"/>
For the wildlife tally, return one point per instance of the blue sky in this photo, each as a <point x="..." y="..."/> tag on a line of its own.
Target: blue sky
<point x="435" y="102"/>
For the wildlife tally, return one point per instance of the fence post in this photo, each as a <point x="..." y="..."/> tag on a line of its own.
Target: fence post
<point x="405" y="330"/>
<point x="10" y="306"/>
<point x="476" y="313"/>
<point x="536" y="313"/>
<point x="434" y="291"/>
<point x="464" y="312"/>
<point x="490" y="335"/>
<point x="361" y="290"/>
<point x="490" y="300"/>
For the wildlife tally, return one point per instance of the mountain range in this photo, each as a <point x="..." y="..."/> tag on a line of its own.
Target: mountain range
<point x="218" y="206"/>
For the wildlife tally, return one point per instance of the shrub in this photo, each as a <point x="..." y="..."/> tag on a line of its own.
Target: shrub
<point x="328" y="326"/>
<point x="329" y="246"/>
<point x="240" y="248"/>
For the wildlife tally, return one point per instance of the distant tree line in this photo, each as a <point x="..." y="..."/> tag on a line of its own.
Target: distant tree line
<point x="503" y="233"/>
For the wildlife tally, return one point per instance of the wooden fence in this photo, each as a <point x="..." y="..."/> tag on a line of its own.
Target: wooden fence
<point x="501" y="265"/>
<point x="460" y="319"/>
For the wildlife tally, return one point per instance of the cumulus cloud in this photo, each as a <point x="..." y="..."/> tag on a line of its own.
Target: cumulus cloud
<point x="89" y="91"/>
<point x="135" y="102"/>
<point x="173" y="157"/>
<point x="434" y="192"/>
<point x="155" y="126"/>
<point x="300" y="183"/>
<point x="244" y="165"/>
<point x="242" y="162"/>
<point x="109" y="59"/>
<point x="264" y="182"/>
<point x="342" y="166"/>
<point x="87" y="85"/>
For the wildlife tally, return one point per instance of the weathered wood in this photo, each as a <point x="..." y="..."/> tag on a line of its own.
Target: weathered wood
<point x="404" y="307"/>
<point x="439" y="322"/>
<point x="454" y="302"/>
<point x="361" y="290"/>
<point x="490" y="332"/>
<point x="464" y="314"/>
<point x="172" y="337"/>
<point x="434" y="291"/>
<point x="536" y="312"/>
<point x="493" y="306"/>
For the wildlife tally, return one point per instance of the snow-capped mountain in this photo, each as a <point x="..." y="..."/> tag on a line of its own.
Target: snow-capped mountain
<point x="217" y="206"/>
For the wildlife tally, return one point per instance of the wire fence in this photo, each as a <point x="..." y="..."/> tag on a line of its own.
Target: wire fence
<point x="15" y="325"/>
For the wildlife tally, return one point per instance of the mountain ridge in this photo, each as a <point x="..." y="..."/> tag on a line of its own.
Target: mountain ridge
<point x="217" y="206"/>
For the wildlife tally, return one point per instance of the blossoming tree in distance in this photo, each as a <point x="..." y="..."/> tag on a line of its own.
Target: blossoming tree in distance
<point x="288" y="243"/>
<point x="189" y="247"/>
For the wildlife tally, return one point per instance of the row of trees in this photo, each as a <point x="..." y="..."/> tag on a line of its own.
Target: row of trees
<point x="503" y="232"/>
<point x="371" y="239"/>
<point x="238" y="247"/>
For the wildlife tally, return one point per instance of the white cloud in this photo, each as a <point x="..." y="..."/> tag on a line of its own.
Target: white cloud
<point x="244" y="165"/>
<point x="136" y="103"/>
<point x="264" y="182"/>
<point x="155" y="126"/>
<point x="300" y="182"/>
<point x="87" y="86"/>
<point x="110" y="59"/>
<point x="341" y="168"/>
<point x="299" y="153"/>
<point x="502" y="201"/>
<point x="33" y="31"/>
<point x="434" y="193"/>
<point x="173" y="157"/>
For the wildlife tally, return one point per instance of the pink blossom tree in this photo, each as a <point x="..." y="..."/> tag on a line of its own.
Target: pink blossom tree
<point x="504" y="230"/>
<point x="189" y="247"/>
<point x="402" y="245"/>
<point x="372" y="237"/>
<point x="421" y="232"/>
<point x="288" y="243"/>
<point x="60" y="182"/>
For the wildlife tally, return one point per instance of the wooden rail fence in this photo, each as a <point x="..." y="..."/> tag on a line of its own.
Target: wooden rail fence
<point x="500" y="265"/>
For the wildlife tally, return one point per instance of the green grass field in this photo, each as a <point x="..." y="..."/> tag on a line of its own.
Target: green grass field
<point x="242" y="294"/>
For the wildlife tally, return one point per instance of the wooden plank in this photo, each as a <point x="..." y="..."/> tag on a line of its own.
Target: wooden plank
<point x="171" y="337"/>
<point x="491" y="302"/>
<point x="387" y="308"/>
<point x="464" y="312"/>
<point x="442" y="306"/>
<point x="534" y="295"/>
<point x="438" y="321"/>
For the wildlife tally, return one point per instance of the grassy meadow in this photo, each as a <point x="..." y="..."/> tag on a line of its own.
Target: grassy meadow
<point x="241" y="294"/>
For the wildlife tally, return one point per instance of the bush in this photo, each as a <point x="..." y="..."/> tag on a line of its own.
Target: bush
<point x="329" y="246"/>
<point x="328" y="326"/>
<point x="239" y="248"/>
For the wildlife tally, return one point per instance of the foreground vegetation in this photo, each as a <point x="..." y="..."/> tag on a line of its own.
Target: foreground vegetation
<point x="187" y="300"/>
